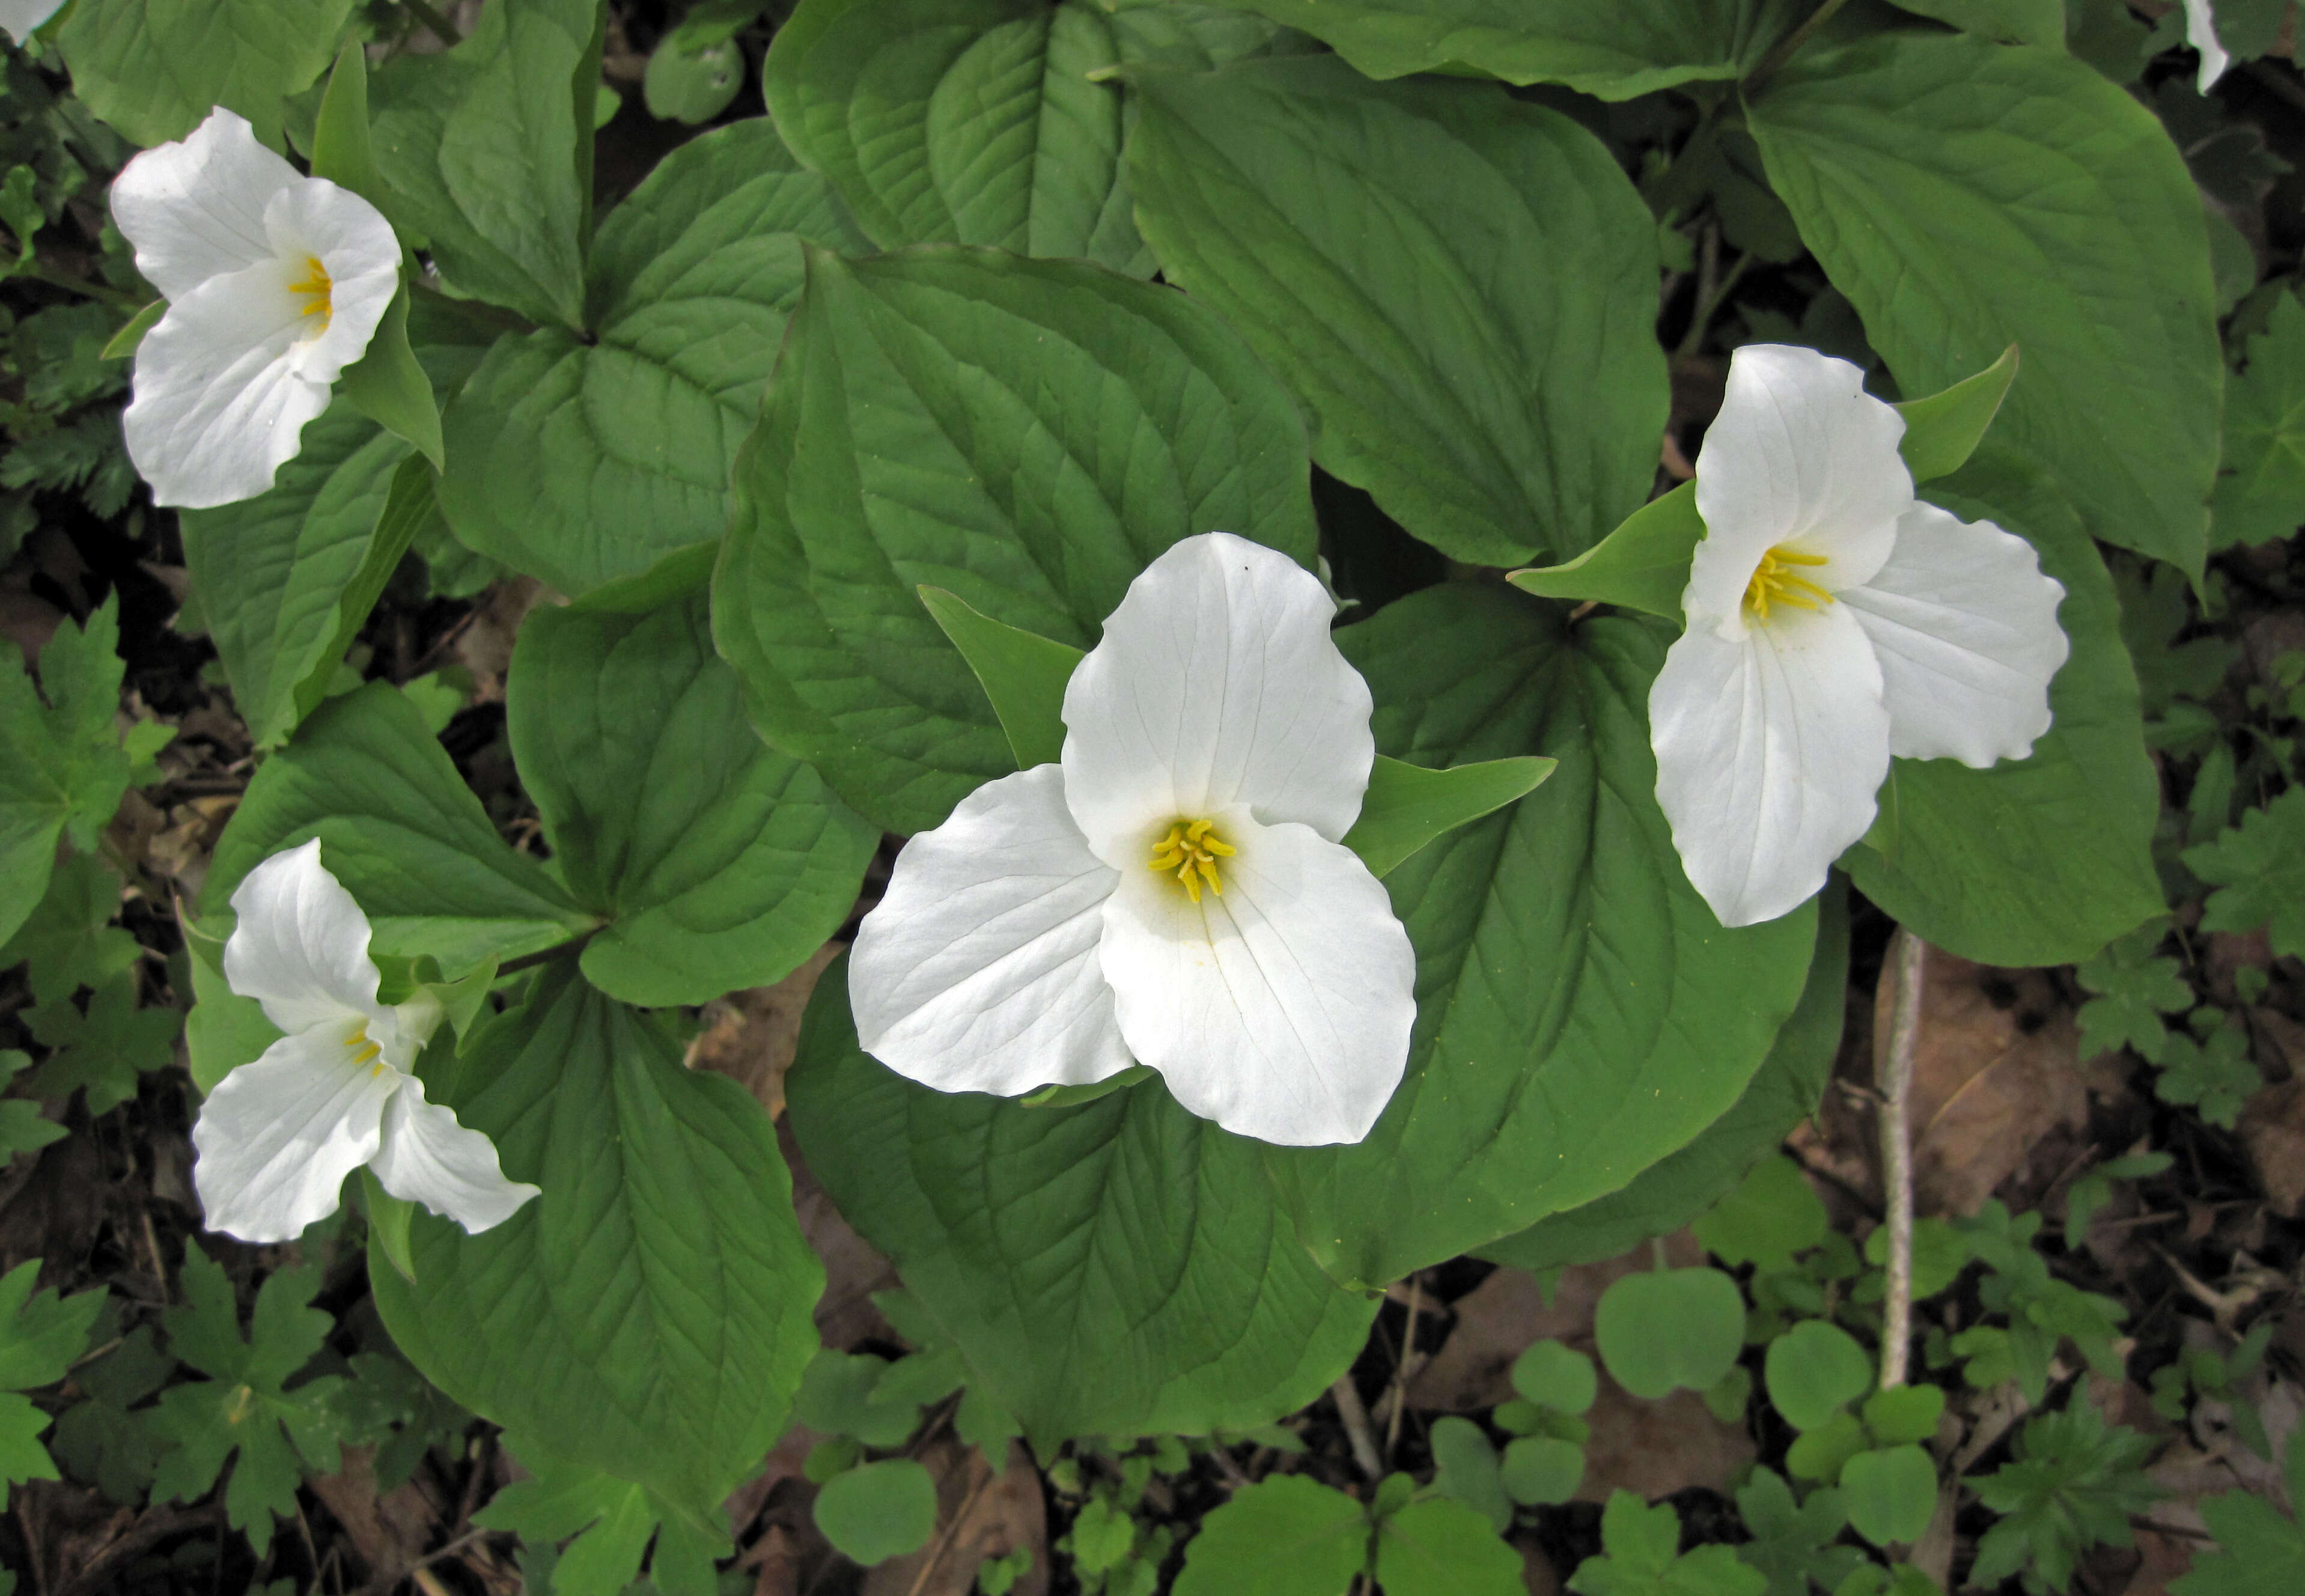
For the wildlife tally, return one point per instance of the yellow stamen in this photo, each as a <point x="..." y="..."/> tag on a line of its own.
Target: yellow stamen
<point x="361" y="1048"/>
<point x="1191" y="850"/>
<point x="318" y="290"/>
<point x="1776" y="580"/>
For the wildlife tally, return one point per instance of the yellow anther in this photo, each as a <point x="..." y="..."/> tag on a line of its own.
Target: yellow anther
<point x="1777" y="579"/>
<point x="317" y="290"/>
<point x="1191" y="851"/>
<point x="361" y="1048"/>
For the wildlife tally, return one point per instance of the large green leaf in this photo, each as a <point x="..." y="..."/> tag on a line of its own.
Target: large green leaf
<point x="62" y="767"/>
<point x="1967" y="196"/>
<point x="1581" y="1012"/>
<point x="1461" y="286"/>
<point x="402" y="831"/>
<point x="719" y="862"/>
<point x="985" y="122"/>
<point x="581" y="460"/>
<point x="1671" y="1191"/>
<point x="649" y="1314"/>
<point x="487" y="150"/>
<point x="1026" y="434"/>
<point x="155" y="68"/>
<point x="2261" y="485"/>
<point x="1115" y="1267"/>
<point x="2046" y="860"/>
<point x="1616" y="52"/>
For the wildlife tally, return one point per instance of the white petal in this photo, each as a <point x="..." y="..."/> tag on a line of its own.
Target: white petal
<point x="277" y="1137"/>
<point x="301" y="948"/>
<point x="1769" y="753"/>
<point x="2201" y="33"/>
<point x="20" y="17"/>
<point x="1216" y="684"/>
<point x="1965" y="627"/>
<point x="194" y="208"/>
<point x="1282" y="1008"/>
<point x="428" y="1158"/>
<point x="316" y="220"/>
<point x="219" y="402"/>
<point x="978" y="971"/>
<point x="1800" y="454"/>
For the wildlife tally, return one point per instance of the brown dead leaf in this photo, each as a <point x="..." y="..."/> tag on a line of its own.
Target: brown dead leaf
<point x="980" y="1515"/>
<point x="750" y="1036"/>
<point x="2272" y="1127"/>
<point x="483" y="641"/>
<point x="390" y="1532"/>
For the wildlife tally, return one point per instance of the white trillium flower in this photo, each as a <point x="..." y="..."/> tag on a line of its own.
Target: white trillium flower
<point x="275" y="283"/>
<point x="277" y="1137"/>
<point x="1176" y="889"/>
<point x="20" y="17"/>
<point x="2201" y="33"/>
<point x="1832" y="621"/>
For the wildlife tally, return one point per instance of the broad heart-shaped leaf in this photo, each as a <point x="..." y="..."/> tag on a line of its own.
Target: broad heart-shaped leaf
<point x="62" y="767"/>
<point x="985" y="122"/>
<point x="649" y="1314"/>
<point x="402" y="831"/>
<point x="2042" y="860"/>
<point x="1286" y="1535"/>
<point x="1458" y="284"/>
<point x="488" y="149"/>
<point x="718" y="861"/>
<point x="585" y="460"/>
<point x="1581" y="1012"/>
<point x="1442" y="1548"/>
<point x="155" y="68"/>
<point x="1025" y="434"/>
<point x="1967" y="195"/>
<point x="1117" y="1268"/>
<point x="1675" y="1190"/>
<point x="1614" y="52"/>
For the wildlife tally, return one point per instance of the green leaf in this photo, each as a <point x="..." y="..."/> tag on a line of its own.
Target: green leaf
<point x="2074" y="1484"/>
<point x="607" y="1523"/>
<point x="155" y="68"/>
<point x="1458" y="284"/>
<point x="2258" y="870"/>
<point x="402" y="831"/>
<point x="1612" y="52"/>
<point x="225" y="1030"/>
<point x="1943" y="430"/>
<point x="716" y="861"/>
<point x="40" y="1336"/>
<point x="340" y="148"/>
<point x="1407" y="807"/>
<point x="1820" y="1454"/>
<point x="1604" y="1052"/>
<point x="2258" y="1552"/>
<point x="1772" y="1214"/>
<point x="1814" y="1371"/>
<point x="124" y="342"/>
<point x="584" y="459"/>
<point x="1966" y="196"/>
<point x="2261" y="493"/>
<point x="245" y="1409"/>
<point x="1022" y="674"/>
<point x="1027" y="435"/>
<point x="1982" y="863"/>
<point x="98" y="1439"/>
<point x="879" y="1511"/>
<point x="1662" y="1330"/>
<point x="1437" y="1547"/>
<point x="102" y="1052"/>
<point x="23" y="1127"/>
<point x="1118" y="1267"/>
<point x="62" y="770"/>
<point x="488" y="153"/>
<point x="2215" y="1074"/>
<point x="291" y="575"/>
<point x="2134" y="989"/>
<point x="1640" y="1556"/>
<point x="1465" y="1469"/>
<point x="1673" y="1191"/>
<point x="648" y="1315"/>
<point x="69" y="937"/>
<point x="1901" y="1414"/>
<point x="1543" y="1470"/>
<point x="1554" y="1376"/>
<point x="388" y="386"/>
<point x="389" y="1221"/>
<point x="1793" y="1543"/>
<point x="1282" y="1536"/>
<point x="1643" y="564"/>
<point x="692" y="83"/>
<point x="985" y="122"/>
<point x="2011" y="21"/>
<point x="840" y="1394"/>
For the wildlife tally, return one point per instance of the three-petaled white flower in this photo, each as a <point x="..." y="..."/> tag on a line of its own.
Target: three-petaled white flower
<point x="275" y="283"/>
<point x="1175" y="888"/>
<point x="2201" y="33"/>
<point x="1832" y="621"/>
<point x="20" y="17"/>
<point x="277" y="1137"/>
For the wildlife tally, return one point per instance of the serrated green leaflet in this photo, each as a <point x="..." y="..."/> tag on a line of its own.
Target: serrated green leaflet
<point x="40" y="1338"/>
<point x="611" y="1521"/>
<point x="1676" y="1189"/>
<point x="1986" y="863"/>
<point x="1440" y="1548"/>
<point x="487" y="150"/>
<point x="984" y="121"/>
<point x="1630" y="1020"/>
<point x="402" y="831"/>
<point x="1457" y="284"/>
<point x="60" y="765"/>
<point x="154" y="68"/>
<point x="648" y="1316"/>
<point x="1115" y="1267"/>
<point x="1614" y="52"/>
<point x="1027" y="434"/>
<point x="2261" y="487"/>
<point x="718" y="861"/>
<point x="1965" y="196"/>
<point x="584" y="460"/>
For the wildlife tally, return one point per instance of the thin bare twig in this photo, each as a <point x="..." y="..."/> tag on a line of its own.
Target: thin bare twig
<point x="1355" y="1414"/>
<point x="1895" y="1079"/>
<point x="1398" y="1396"/>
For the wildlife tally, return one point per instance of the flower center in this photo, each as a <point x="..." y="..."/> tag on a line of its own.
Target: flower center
<point x="1777" y="579"/>
<point x="362" y="1049"/>
<point x="316" y="291"/>
<point x="1191" y="851"/>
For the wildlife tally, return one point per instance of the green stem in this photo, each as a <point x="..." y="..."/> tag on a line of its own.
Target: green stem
<point x="442" y="28"/>
<point x="530" y="960"/>
<point x="102" y="292"/>
<point x="1785" y="47"/>
<point x="1703" y="319"/>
